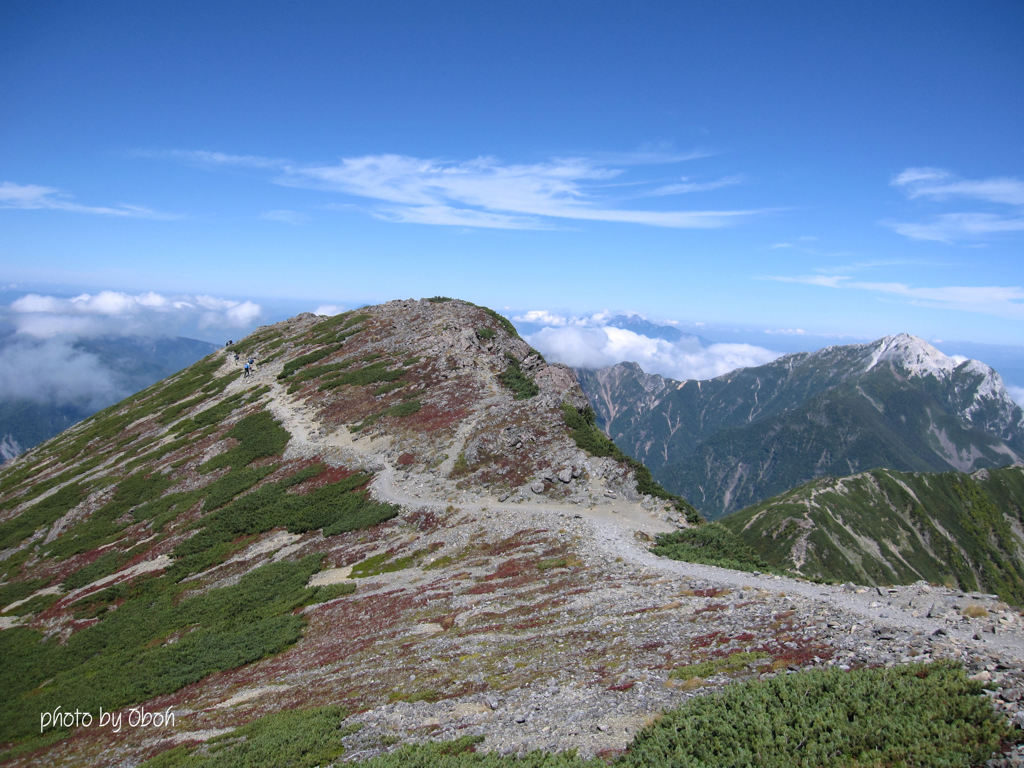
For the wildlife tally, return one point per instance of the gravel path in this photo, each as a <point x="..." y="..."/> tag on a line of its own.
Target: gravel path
<point x="611" y="527"/>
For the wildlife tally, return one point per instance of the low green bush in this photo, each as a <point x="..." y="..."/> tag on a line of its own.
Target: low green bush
<point x="710" y="544"/>
<point x="220" y="492"/>
<point x="19" y="590"/>
<point x="503" y="321"/>
<point x="311" y="357"/>
<point x="259" y="435"/>
<point x="383" y="563"/>
<point x="36" y="604"/>
<point x="336" y="508"/>
<point x="914" y="715"/>
<point x="128" y="656"/>
<point x="213" y="415"/>
<point x="461" y="753"/>
<point x="373" y="373"/>
<point x="104" y="565"/>
<point x="404" y="408"/>
<point x="106" y="524"/>
<point x="45" y="512"/>
<point x="513" y="378"/>
<point x="296" y="738"/>
<point x="582" y="424"/>
<point x="723" y="665"/>
<point x="331" y="591"/>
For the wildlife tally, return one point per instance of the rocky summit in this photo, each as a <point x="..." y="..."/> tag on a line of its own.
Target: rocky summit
<point x="740" y="438"/>
<point x="403" y="512"/>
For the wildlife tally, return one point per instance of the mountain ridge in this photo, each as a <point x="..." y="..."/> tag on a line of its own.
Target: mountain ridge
<point x="727" y="442"/>
<point x="326" y="532"/>
<point x="885" y="527"/>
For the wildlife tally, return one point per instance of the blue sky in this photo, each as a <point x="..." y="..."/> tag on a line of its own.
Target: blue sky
<point x="842" y="169"/>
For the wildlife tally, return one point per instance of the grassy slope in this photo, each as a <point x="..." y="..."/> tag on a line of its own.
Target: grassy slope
<point x="134" y="477"/>
<point x="944" y="528"/>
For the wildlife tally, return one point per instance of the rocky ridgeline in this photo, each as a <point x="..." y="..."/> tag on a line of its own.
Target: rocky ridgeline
<point x="513" y="595"/>
<point x="470" y="431"/>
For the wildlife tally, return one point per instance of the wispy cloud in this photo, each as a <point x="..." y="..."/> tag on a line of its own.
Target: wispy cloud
<point x="941" y="185"/>
<point x="938" y="185"/>
<point x="489" y="193"/>
<point x="685" y="185"/>
<point x="997" y="300"/>
<point x="827" y="281"/>
<point x="956" y="226"/>
<point x="28" y="197"/>
<point x="284" y="216"/>
<point x="206" y="157"/>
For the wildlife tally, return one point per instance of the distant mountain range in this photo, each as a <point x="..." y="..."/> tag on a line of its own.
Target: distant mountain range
<point x="886" y="527"/>
<point x="729" y="442"/>
<point x="116" y="367"/>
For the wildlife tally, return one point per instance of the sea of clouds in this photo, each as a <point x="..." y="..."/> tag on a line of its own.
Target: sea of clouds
<point x="596" y="341"/>
<point x="38" y="357"/>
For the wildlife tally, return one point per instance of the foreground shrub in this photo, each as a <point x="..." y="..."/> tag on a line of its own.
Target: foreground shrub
<point x="915" y="715"/>
<point x="298" y="738"/>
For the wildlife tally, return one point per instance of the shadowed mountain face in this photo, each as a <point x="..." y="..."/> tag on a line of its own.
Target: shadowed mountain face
<point x="886" y="527"/>
<point x="728" y="442"/>
<point x="60" y="382"/>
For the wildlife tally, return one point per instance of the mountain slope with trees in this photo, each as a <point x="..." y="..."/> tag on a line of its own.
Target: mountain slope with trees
<point x="740" y="438"/>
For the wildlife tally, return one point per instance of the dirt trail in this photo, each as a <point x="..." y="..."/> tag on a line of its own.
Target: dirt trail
<point x="609" y="528"/>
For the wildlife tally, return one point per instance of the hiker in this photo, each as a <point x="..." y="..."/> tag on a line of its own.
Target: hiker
<point x="236" y="357"/>
<point x="246" y="371"/>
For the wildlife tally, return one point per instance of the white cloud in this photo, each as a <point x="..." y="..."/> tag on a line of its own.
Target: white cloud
<point x="913" y="176"/>
<point x="1000" y="300"/>
<point x="242" y="314"/>
<point x="329" y="310"/>
<point x="487" y="193"/>
<point x="948" y="227"/>
<point x="444" y="215"/>
<point x="52" y="371"/>
<point x="114" y="312"/>
<point x="205" y="157"/>
<point x="598" y="346"/>
<point x="1017" y="393"/>
<point x="785" y="331"/>
<point x="685" y="185"/>
<point x="826" y="281"/>
<point x="543" y="317"/>
<point x="34" y="197"/>
<point x="939" y="185"/>
<point x="284" y="216"/>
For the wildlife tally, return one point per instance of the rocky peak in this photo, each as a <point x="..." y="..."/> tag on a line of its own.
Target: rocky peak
<point x="914" y="355"/>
